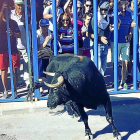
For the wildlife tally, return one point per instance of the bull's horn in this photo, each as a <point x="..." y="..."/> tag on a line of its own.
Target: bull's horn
<point x="49" y="73"/>
<point x="60" y="79"/>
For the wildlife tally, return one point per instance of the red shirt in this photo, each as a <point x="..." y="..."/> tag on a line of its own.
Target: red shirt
<point x="3" y="37"/>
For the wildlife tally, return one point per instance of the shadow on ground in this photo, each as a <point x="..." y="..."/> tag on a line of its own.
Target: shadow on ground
<point x="126" y="116"/>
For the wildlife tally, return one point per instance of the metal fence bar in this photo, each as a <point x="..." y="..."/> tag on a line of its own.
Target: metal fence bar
<point x="9" y="52"/>
<point x="75" y="27"/>
<point x="115" y="45"/>
<point x="54" y="26"/>
<point x="95" y="11"/>
<point x="27" y="39"/>
<point x="34" y="44"/>
<point x="135" y="47"/>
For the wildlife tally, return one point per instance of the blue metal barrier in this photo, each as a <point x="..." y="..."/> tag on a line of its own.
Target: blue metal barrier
<point x="34" y="44"/>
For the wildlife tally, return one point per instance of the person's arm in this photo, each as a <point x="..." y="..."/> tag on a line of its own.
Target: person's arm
<point x="66" y="5"/>
<point x="46" y="13"/>
<point x="4" y="6"/>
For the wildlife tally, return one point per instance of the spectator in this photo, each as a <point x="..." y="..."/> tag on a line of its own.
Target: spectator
<point x="4" y="57"/>
<point x="65" y="33"/>
<point x="103" y="34"/>
<point x="18" y="15"/>
<point x="47" y="3"/>
<point x="44" y="52"/>
<point x="84" y="30"/>
<point x="88" y="7"/>
<point x="124" y="37"/>
<point x="47" y="14"/>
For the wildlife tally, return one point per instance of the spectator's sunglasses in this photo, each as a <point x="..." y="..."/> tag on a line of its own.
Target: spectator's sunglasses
<point x="88" y="5"/>
<point x="104" y="10"/>
<point x="63" y="20"/>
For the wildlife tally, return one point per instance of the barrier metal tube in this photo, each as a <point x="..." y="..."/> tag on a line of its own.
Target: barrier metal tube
<point x="27" y="39"/>
<point x="75" y="27"/>
<point x="54" y="26"/>
<point x="95" y="11"/>
<point x="115" y="45"/>
<point x="135" y="47"/>
<point x="34" y="44"/>
<point x="9" y="52"/>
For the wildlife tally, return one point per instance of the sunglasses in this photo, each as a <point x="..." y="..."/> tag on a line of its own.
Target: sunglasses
<point x="88" y="5"/>
<point x="63" y="20"/>
<point x="104" y="10"/>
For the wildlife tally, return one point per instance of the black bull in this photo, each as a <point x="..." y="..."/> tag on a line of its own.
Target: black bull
<point x="76" y="78"/>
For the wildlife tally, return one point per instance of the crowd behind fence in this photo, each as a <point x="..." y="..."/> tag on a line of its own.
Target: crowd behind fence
<point x="38" y="29"/>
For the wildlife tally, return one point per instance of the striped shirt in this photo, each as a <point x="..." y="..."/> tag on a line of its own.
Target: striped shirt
<point x="67" y="42"/>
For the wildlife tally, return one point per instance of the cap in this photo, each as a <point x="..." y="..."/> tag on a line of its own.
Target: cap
<point x="121" y="2"/>
<point x="45" y="1"/>
<point x="104" y="4"/>
<point x="19" y="1"/>
<point x="44" y="22"/>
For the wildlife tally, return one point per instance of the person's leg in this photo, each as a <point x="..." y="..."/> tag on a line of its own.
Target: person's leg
<point x="104" y="58"/>
<point x="15" y="78"/>
<point x="4" y="78"/>
<point x="125" y="49"/>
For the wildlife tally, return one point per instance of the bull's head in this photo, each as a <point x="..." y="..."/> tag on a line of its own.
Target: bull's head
<point x="57" y="88"/>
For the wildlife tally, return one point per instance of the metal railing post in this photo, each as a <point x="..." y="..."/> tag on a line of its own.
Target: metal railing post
<point x="54" y="26"/>
<point x="34" y="44"/>
<point x="115" y="45"/>
<point x="75" y="27"/>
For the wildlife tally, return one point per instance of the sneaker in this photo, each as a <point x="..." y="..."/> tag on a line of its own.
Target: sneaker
<point x="5" y="94"/>
<point x="129" y="79"/>
<point x="123" y="86"/>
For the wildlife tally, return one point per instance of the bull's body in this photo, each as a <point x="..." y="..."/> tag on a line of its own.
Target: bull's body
<point x="82" y="83"/>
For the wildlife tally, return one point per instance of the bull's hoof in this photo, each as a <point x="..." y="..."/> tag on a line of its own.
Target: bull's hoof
<point x="89" y="137"/>
<point x="88" y="134"/>
<point x="118" y="137"/>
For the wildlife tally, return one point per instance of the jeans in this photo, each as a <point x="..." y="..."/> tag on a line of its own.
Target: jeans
<point x="102" y="57"/>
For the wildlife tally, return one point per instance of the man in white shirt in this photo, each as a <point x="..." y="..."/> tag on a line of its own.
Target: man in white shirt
<point x="47" y="14"/>
<point x="18" y="15"/>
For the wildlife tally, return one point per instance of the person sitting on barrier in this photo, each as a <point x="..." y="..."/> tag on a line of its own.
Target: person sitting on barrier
<point x="18" y="15"/>
<point x="65" y="33"/>
<point x="44" y="48"/>
<point x="47" y="14"/>
<point x="103" y="34"/>
<point x="124" y="36"/>
<point x="14" y="33"/>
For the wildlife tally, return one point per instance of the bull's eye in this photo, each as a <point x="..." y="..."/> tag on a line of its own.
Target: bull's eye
<point x="55" y="90"/>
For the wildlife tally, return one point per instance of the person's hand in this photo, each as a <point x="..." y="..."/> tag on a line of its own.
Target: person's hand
<point x="111" y="27"/>
<point x="62" y="35"/>
<point x="47" y="38"/>
<point x="104" y="40"/>
<point x="10" y="32"/>
<point x="133" y="24"/>
<point x="128" y="38"/>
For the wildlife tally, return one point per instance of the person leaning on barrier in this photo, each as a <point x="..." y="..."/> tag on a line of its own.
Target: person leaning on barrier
<point x="44" y="38"/>
<point x="14" y="33"/>
<point x="18" y="15"/>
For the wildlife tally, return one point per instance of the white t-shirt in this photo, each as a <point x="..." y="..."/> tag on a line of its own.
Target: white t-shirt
<point x="21" y="42"/>
<point x="48" y="10"/>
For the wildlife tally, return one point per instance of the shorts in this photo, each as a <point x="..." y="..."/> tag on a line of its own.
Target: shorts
<point x="4" y="60"/>
<point x="123" y="50"/>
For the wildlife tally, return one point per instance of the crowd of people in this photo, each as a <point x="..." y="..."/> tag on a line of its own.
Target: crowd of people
<point x="65" y="31"/>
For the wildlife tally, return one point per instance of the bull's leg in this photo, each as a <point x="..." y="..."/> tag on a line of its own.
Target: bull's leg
<point x="110" y="120"/>
<point x="84" y="117"/>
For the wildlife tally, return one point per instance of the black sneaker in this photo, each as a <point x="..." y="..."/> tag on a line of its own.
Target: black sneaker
<point x="129" y="79"/>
